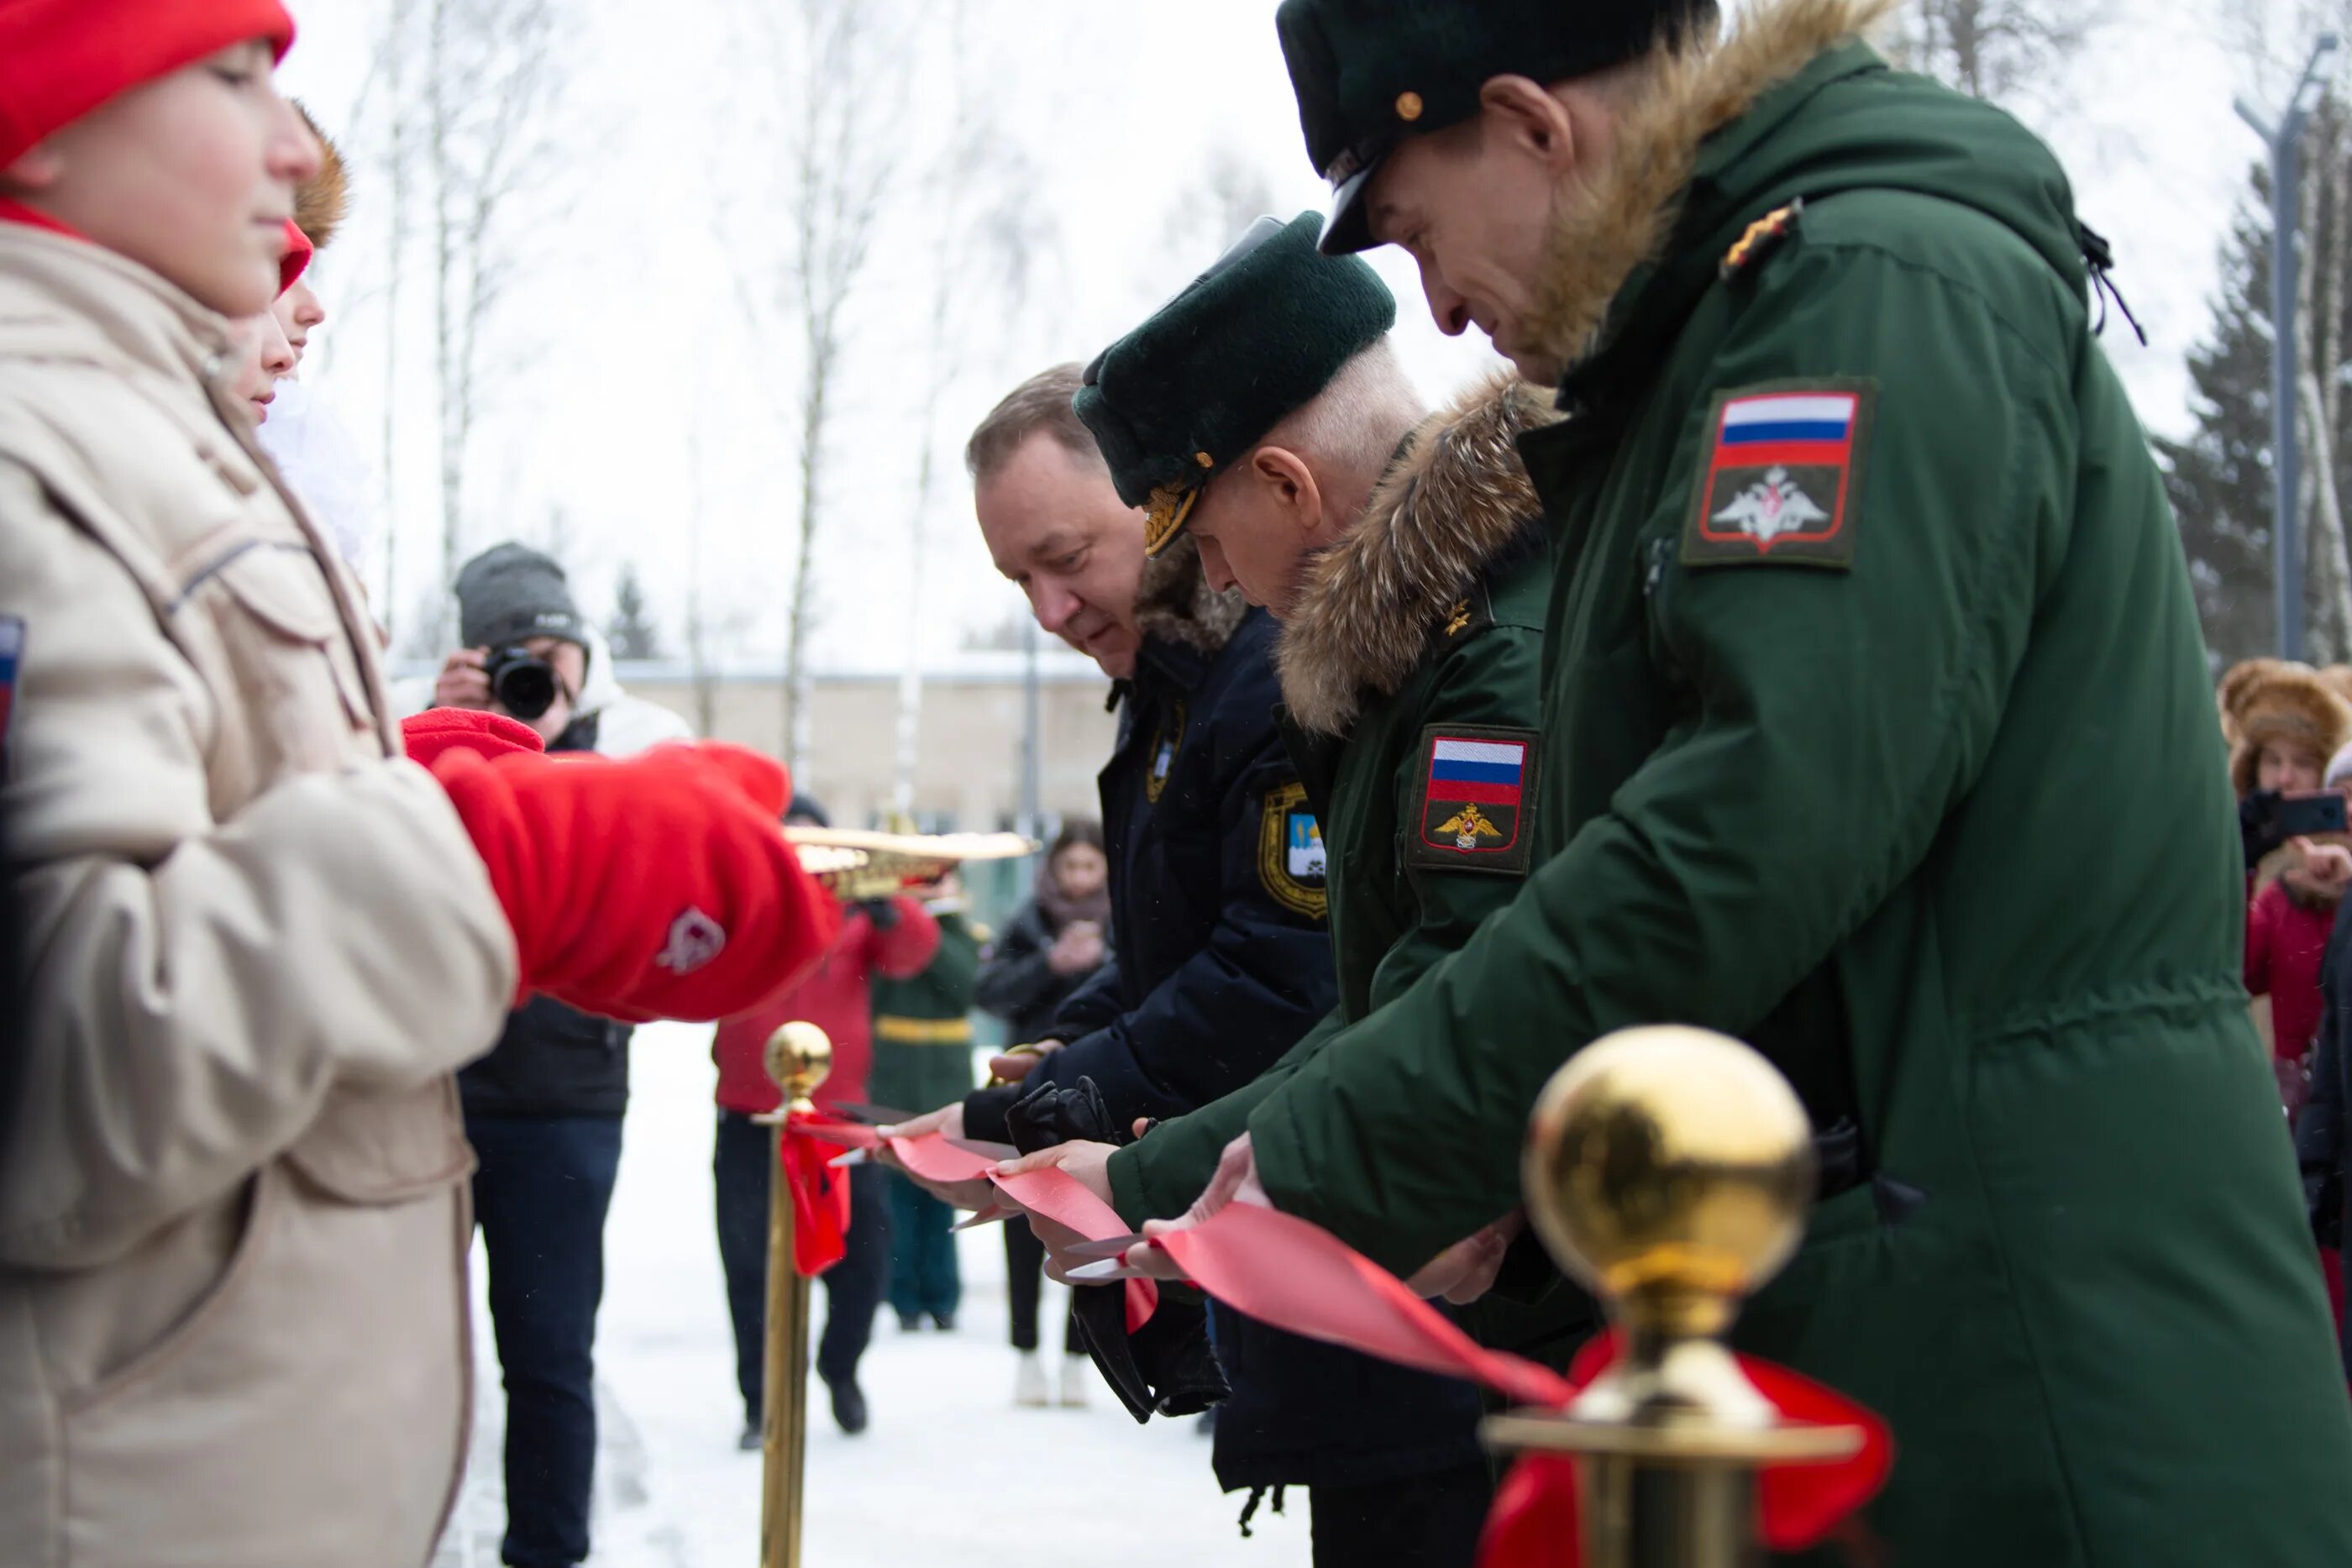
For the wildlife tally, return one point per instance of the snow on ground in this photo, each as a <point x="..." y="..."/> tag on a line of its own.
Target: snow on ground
<point x="950" y="1475"/>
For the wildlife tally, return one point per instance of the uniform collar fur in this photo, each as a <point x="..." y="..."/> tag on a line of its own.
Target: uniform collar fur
<point x="1626" y="216"/>
<point x="1455" y="501"/>
<point x="1174" y="603"/>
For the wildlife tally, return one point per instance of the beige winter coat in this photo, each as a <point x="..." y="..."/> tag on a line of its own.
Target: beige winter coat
<point x="232" y="1198"/>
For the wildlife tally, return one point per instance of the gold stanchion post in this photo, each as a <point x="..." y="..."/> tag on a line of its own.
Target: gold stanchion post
<point x="1670" y="1169"/>
<point x="799" y="1057"/>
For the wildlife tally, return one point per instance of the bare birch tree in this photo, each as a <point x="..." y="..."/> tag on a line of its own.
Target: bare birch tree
<point x="979" y="190"/>
<point x="1209" y="214"/>
<point x="1999" y="49"/>
<point x="493" y="77"/>
<point x="391" y="54"/>
<point x="836" y="62"/>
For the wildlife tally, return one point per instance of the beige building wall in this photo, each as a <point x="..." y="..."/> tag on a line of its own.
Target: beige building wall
<point x="968" y="771"/>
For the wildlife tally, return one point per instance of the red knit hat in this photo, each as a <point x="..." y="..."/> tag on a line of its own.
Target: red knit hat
<point x="61" y="58"/>
<point x="297" y="256"/>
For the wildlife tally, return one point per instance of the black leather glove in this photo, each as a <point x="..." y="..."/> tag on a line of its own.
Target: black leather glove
<point x="1166" y="1366"/>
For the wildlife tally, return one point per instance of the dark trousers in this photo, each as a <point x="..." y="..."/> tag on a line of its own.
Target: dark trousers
<point x="740" y="1164"/>
<point x="539" y="1195"/>
<point x="1420" y="1521"/>
<point x="923" y="1278"/>
<point x="1025" y="1282"/>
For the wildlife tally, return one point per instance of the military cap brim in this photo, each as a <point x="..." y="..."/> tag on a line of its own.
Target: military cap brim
<point x="1349" y="228"/>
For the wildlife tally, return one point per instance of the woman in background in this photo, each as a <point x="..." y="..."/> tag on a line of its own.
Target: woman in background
<point x="1052" y="945"/>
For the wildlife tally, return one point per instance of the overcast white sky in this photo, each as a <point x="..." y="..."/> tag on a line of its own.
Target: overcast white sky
<point x="631" y="381"/>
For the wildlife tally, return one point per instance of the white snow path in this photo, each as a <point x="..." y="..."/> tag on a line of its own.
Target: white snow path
<point x="950" y="1475"/>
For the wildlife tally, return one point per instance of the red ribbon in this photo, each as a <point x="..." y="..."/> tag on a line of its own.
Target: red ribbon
<point x="820" y="1195"/>
<point x="1283" y="1271"/>
<point x="1049" y="1193"/>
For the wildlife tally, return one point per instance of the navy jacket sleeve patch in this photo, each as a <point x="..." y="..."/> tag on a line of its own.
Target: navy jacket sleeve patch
<point x="1290" y="853"/>
<point x="1476" y="810"/>
<point x="1782" y="477"/>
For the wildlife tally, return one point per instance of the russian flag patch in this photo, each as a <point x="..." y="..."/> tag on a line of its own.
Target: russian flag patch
<point x="1476" y="798"/>
<point x="1783" y="469"/>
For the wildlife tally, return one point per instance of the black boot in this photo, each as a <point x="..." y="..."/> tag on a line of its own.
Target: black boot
<point x="848" y="1405"/>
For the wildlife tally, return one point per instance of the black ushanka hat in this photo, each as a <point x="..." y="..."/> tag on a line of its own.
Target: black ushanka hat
<point x="1246" y="344"/>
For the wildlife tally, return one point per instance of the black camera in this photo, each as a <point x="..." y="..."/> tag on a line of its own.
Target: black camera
<point x="524" y="683"/>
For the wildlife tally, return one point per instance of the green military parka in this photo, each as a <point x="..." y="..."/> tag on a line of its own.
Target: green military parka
<point x="1877" y="732"/>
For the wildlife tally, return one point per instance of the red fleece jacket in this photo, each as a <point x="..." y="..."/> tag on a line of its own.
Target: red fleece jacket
<point x="836" y="999"/>
<point x="2286" y="939"/>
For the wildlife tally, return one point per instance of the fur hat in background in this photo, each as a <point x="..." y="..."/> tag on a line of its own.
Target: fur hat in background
<point x="323" y="202"/>
<point x="2232" y="690"/>
<point x="2339" y="769"/>
<point x="2280" y="702"/>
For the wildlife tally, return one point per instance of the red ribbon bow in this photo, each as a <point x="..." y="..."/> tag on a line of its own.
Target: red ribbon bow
<point x="820" y="1195"/>
<point x="1283" y="1271"/>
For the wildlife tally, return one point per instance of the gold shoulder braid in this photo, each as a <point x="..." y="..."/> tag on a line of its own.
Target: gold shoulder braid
<point x="1171" y="505"/>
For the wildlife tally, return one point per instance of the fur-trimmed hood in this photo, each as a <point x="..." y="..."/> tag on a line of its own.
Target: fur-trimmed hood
<point x="323" y="202"/>
<point x="1455" y="501"/>
<point x="1174" y="602"/>
<point x="1683" y="178"/>
<point x="1628" y="215"/>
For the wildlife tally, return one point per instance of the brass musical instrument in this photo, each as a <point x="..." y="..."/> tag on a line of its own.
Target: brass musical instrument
<point x="799" y="1057"/>
<point x="855" y="863"/>
<point x="1670" y="1170"/>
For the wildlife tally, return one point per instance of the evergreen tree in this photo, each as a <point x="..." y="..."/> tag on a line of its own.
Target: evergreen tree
<point x="2220" y="478"/>
<point x="632" y="632"/>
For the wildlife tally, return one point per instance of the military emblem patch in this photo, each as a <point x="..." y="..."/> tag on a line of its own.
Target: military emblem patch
<point x="1782" y="477"/>
<point x="1166" y="742"/>
<point x="1476" y="800"/>
<point x="1290" y="853"/>
<point x="12" y="650"/>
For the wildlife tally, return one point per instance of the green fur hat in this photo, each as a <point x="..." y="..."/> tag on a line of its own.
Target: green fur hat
<point x="1248" y="343"/>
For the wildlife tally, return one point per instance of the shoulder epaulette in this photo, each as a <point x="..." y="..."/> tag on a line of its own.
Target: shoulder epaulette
<point x="1473" y="612"/>
<point x="1762" y="235"/>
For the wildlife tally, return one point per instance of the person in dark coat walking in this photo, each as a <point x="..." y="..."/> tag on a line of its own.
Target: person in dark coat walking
<point x="543" y="1109"/>
<point x="1052" y="946"/>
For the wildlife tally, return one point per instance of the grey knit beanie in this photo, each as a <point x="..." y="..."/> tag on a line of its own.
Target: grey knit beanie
<point x="512" y="592"/>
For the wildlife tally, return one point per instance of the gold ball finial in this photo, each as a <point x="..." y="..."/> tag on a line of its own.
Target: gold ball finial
<point x="800" y="1055"/>
<point x="1670" y="1168"/>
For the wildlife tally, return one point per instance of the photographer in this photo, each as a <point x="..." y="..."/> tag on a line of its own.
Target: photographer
<point x="543" y="1110"/>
